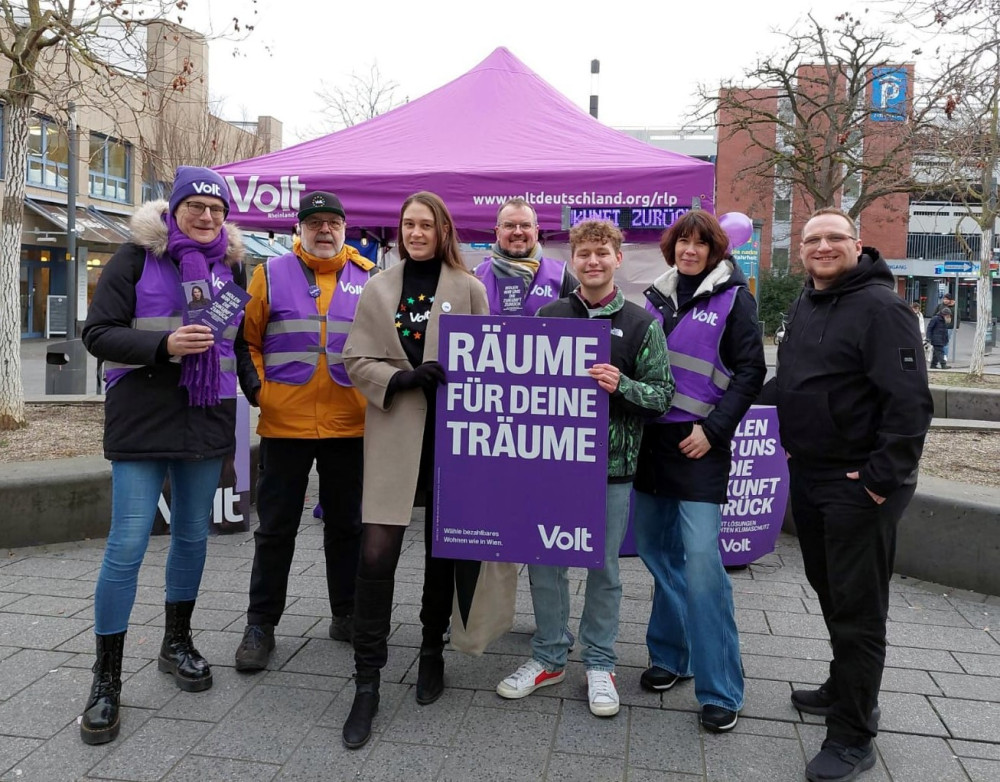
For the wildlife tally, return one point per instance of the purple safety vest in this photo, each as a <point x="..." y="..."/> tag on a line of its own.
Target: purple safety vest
<point x="159" y="302"/>
<point x="693" y="349"/>
<point x="291" y="340"/>
<point x="544" y="288"/>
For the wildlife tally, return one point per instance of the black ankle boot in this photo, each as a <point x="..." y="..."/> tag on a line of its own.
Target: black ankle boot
<point x="358" y="728"/>
<point x="178" y="657"/>
<point x="100" y="717"/>
<point x="430" y="675"/>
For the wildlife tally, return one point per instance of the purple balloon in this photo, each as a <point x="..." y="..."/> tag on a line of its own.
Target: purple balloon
<point x="738" y="227"/>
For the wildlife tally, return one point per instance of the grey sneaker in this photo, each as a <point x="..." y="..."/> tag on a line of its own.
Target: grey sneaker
<point x="342" y="628"/>
<point x="255" y="649"/>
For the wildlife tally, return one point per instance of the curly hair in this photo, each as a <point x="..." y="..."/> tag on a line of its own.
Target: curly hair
<point x="600" y="231"/>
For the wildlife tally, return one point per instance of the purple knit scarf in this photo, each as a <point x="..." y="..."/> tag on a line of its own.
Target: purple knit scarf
<point x="199" y="372"/>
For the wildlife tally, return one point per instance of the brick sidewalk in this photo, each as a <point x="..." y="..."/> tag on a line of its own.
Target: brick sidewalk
<point x="940" y="699"/>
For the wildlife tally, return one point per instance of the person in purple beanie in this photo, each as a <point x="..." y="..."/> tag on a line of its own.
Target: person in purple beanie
<point x="170" y="410"/>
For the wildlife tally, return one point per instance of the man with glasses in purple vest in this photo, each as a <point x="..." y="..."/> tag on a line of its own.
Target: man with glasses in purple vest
<point x="295" y="327"/>
<point x="518" y="279"/>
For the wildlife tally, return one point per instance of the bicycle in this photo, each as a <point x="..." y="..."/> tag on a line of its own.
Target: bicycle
<point x="779" y="333"/>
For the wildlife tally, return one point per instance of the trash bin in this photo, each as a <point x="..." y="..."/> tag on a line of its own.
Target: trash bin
<point x="66" y="368"/>
<point x="991" y="336"/>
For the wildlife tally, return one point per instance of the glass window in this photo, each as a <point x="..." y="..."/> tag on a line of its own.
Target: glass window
<point x="48" y="154"/>
<point x="779" y="259"/>
<point x="110" y="161"/>
<point x="852" y="186"/>
<point x="782" y="210"/>
<point x="152" y="188"/>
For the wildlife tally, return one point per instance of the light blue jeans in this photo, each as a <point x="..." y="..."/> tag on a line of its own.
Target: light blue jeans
<point x="601" y="604"/>
<point x="135" y="491"/>
<point x="692" y="626"/>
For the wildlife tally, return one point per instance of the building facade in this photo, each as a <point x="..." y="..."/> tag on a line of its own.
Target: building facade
<point x="124" y="151"/>
<point x="918" y="238"/>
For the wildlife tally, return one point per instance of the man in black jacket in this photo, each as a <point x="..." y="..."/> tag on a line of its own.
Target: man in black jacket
<point x="854" y="407"/>
<point x="937" y="335"/>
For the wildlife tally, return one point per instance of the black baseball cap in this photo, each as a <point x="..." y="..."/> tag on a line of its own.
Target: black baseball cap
<point x="320" y="201"/>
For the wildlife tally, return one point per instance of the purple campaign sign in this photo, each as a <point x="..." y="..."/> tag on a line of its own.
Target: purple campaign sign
<point x="758" y="491"/>
<point x="520" y="468"/>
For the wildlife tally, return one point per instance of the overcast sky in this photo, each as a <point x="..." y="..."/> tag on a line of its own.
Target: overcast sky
<point x="653" y="53"/>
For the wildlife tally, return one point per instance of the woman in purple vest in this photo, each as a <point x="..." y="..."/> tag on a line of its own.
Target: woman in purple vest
<point x="717" y="359"/>
<point x="391" y="357"/>
<point x="170" y="410"/>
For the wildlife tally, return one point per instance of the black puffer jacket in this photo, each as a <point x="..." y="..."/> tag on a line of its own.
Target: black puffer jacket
<point x="146" y="413"/>
<point x="852" y="381"/>
<point x="663" y="470"/>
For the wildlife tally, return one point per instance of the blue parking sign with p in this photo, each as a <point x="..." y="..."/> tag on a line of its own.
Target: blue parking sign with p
<point x="889" y="87"/>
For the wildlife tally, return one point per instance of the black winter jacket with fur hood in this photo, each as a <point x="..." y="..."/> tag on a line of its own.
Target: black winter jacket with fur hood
<point x="146" y="414"/>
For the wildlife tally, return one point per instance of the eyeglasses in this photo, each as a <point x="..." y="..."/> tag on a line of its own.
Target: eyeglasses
<point x="197" y="209"/>
<point x="315" y="223"/>
<point x="813" y="241"/>
<point x="509" y="227"/>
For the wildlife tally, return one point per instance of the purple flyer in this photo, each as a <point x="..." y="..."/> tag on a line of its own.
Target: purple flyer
<point x="520" y="470"/>
<point x="758" y="491"/>
<point x="223" y="310"/>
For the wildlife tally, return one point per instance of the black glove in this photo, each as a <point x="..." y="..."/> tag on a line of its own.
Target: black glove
<point x="431" y="375"/>
<point x="427" y="376"/>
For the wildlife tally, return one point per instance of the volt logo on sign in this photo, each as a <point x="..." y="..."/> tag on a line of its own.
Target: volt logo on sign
<point x="566" y="540"/>
<point x="889" y="94"/>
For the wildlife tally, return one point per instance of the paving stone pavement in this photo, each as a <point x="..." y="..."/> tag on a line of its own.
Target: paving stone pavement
<point x="940" y="699"/>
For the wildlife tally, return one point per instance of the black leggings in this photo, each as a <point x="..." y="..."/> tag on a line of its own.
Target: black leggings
<point x="381" y="545"/>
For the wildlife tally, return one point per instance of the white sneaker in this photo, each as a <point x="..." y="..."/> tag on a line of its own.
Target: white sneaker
<point x="528" y="678"/>
<point x="602" y="693"/>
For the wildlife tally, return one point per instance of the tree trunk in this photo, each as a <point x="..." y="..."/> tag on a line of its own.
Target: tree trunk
<point x="984" y="304"/>
<point x="18" y="115"/>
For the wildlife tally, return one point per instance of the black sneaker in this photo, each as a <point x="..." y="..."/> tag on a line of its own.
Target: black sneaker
<point x="718" y="719"/>
<point x="342" y="628"/>
<point x="839" y="763"/>
<point x="657" y="679"/>
<point x="818" y="702"/>
<point x="255" y="649"/>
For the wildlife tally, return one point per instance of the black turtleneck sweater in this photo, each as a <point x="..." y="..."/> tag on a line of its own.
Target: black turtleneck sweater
<point x="420" y="281"/>
<point x="687" y="284"/>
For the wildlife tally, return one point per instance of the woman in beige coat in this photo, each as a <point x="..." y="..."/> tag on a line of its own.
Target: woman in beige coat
<point x="391" y="357"/>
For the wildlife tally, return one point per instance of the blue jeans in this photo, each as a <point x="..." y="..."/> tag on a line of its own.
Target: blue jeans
<point x="601" y="604"/>
<point x="135" y="491"/>
<point x="692" y="627"/>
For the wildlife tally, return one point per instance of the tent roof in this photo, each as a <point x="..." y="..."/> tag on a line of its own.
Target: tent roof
<point x="498" y="130"/>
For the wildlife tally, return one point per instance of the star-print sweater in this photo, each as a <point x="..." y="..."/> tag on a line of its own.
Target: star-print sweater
<point x="420" y="281"/>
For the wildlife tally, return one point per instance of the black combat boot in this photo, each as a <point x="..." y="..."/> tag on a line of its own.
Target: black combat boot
<point x="100" y="717"/>
<point x="178" y="657"/>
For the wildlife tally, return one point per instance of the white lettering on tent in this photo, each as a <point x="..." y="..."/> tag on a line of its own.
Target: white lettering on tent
<point x="266" y="197"/>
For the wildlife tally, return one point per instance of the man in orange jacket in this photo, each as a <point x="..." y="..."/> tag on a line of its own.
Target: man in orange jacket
<point x="295" y="327"/>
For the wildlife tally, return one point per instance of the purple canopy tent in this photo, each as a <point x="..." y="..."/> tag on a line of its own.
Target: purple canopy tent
<point x="495" y="132"/>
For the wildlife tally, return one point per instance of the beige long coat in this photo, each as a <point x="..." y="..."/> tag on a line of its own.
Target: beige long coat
<point x="372" y="355"/>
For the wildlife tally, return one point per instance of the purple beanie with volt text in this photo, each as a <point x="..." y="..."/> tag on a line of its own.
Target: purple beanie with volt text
<point x="194" y="181"/>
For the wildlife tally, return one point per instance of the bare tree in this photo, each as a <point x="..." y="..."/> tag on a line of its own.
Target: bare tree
<point x="965" y="155"/>
<point x="52" y="53"/>
<point x="208" y="141"/>
<point x="364" y="96"/>
<point x="807" y="121"/>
